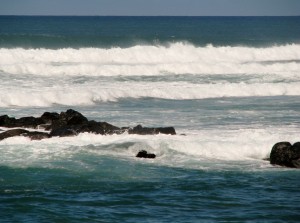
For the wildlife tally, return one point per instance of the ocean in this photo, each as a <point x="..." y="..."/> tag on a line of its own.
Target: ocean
<point x="230" y="86"/>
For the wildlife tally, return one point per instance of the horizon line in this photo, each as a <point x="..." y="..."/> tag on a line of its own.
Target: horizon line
<point x="154" y="15"/>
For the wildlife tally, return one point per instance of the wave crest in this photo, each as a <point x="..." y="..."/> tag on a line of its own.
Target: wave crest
<point x="177" y="58"/>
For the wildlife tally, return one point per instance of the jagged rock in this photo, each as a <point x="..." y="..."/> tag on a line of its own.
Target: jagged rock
<point x="72" y="117"/>
<point x="68" y="118"/>
<point x="29" y="122"/>
<point x="140" y="130"/>
<point x="25" y="122"/>
<point x="102" y="128"/>
<point x="6" y="121"/>
<point x="285" y="154"/>
<point x="70" y="123"/>
<point x="49" y="117"/>
<point x="145" y="154"/>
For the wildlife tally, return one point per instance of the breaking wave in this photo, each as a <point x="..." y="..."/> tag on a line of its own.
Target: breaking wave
<point x="198" y="150"/>
<point x="180" y="71"/>
<point x="90" y="95"/>
<point x="177" y="58"/>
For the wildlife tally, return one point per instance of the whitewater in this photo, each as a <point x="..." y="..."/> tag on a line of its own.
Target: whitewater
<point x="208" y="80"/>
<point x="178" y="71"/>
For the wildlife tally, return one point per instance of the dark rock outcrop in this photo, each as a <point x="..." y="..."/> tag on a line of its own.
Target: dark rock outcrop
<point x="140" y="130"/>
<point x="68" y="118"/>
<point x="102" y="128"/>
<point x="286" y="154"/>
<point x="72" y="117"/>
<point x="24" y="122"/>
<point x="69" y="123"/>
<point x="145" y="154"/>
<point x="49" y="117"/>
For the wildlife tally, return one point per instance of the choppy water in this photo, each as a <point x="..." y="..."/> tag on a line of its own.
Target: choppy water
<point x="229" y="86"/>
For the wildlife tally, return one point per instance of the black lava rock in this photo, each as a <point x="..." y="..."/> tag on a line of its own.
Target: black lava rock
<point x="145" y="154"/>
<point x="70" y="123"/>
<point x="24" y="122"/>
<point x="140" y="130"/>
<point x="285" y="154"/>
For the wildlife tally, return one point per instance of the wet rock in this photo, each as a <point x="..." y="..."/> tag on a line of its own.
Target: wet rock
<point x="102" y="128"/>
<point x="71" y="123"/>
<point x="36" y="135"/>
<point x="6" y="121"/>
<point x="29" y="122"/>
<point x="296" y="155"/>
<point x="63" y="132"/>
<point x="25" y="122"/>
<point x="145" y="154"/>
<point x="73" y="117"/>
<point x="68" y="118"/>
<point x="22" y="132"/>
<point x="12" y="133"/>
<point x="285" y="154"/>
<point x="140" y="130"/>
<point x="49" y="117"/>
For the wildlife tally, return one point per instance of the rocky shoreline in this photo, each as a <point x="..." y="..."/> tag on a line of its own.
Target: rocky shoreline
<point x="71" y="123"/>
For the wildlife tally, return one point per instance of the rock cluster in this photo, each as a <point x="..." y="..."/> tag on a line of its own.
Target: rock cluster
<point x="286" y="154"/>
<point x="69" y="123"/>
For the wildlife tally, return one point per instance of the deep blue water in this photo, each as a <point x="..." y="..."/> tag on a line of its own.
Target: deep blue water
<point x="61" y="32"/>
<point x="151" y="194"/>
<point x="229" y="86"/>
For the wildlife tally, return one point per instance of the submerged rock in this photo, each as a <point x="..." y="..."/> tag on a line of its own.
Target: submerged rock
<point x="145" y="154"/>
<point x="286" y="154"/>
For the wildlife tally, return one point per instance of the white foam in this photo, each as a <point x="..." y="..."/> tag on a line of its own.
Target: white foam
<point x="93" y="93"/>
<point x="43" y="77"/>
<point x="191" y="151"/>
<point x="178" y="58"/>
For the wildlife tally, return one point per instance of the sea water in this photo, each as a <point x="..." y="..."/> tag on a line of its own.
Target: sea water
<point x="229" y="85"/>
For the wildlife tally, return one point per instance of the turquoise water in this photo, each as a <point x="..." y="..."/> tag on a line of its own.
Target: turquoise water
<point x="229" y="86"/>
